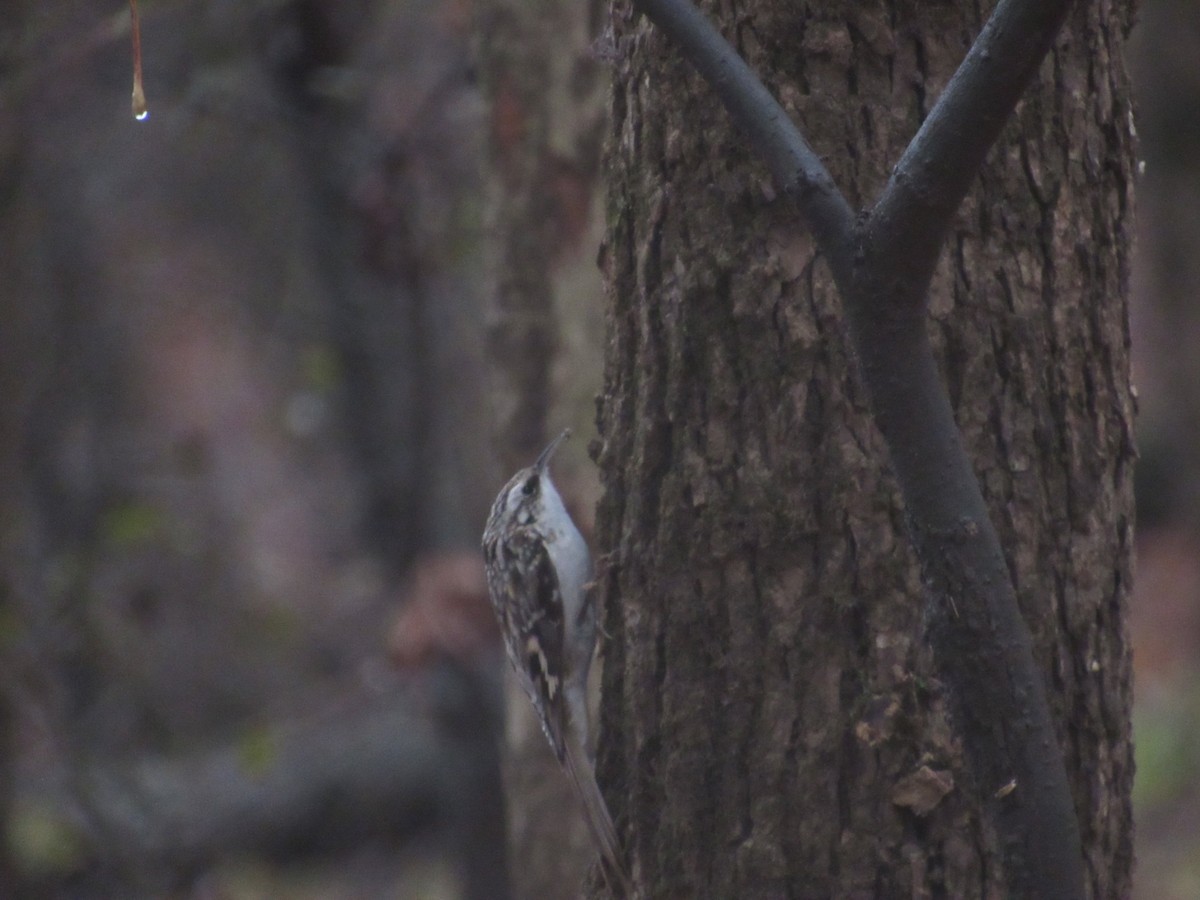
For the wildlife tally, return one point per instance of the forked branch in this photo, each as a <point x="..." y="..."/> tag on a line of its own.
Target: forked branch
<point x="909" y="221"/>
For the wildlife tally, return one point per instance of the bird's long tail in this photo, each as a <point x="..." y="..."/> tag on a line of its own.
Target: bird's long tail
<point x="599" y="822"/>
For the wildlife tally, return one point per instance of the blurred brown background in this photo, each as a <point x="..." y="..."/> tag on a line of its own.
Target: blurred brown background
<point x="245" y="444"/>
<point x="243" y="454"/>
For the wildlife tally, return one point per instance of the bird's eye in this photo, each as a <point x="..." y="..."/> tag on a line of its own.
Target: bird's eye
<point x="529" y="486"/>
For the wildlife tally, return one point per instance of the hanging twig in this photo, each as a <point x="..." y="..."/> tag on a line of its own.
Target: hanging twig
<point x="140" y="111"/>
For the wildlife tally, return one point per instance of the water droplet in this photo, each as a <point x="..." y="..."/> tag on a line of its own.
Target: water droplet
<point x="140" y="111"/>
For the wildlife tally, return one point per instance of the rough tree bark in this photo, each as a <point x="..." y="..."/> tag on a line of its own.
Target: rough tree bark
<point x="774" y="725"/>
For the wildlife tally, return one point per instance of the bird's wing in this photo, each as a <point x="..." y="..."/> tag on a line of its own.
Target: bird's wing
<point x="526" y="594"/>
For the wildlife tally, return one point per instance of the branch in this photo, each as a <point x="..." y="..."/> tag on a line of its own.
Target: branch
<point x="982" y="647"/>
<point x="795" y="166"/>
<point x="909" y="221"/>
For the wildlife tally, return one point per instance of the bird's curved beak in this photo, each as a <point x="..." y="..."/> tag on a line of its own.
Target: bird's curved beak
<point x="543" y="460"/>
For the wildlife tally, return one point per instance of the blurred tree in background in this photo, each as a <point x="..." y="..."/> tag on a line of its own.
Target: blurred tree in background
<point x="1166" y="362"/>
<point x="242" y="378"/>
<point x="545" y="91"/>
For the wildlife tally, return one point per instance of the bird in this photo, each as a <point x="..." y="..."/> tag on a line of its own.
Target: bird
<point x="539" y="578"/>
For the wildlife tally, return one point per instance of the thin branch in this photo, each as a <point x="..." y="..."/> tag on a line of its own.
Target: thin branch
<point x="138" y="100"/>
<point x="795" y="166"/>
<point x="908" y="223"/>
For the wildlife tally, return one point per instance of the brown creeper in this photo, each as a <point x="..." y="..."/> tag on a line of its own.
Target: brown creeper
<point x="538" y="573"/>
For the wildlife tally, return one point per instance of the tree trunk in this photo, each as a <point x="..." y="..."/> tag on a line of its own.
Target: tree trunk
<point x="773" y="726"/>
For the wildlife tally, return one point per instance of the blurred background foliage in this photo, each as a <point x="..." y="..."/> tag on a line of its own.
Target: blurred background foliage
<point x="245" y="419"/>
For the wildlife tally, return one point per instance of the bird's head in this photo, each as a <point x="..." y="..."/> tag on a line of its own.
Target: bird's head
<point x="524" y="498"/>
